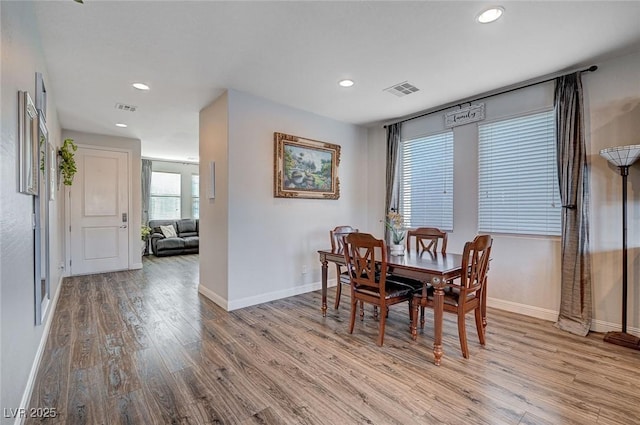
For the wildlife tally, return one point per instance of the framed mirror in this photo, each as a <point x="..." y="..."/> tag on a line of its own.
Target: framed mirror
<point x="41" y="207"/>
<point x="28" y="136"/>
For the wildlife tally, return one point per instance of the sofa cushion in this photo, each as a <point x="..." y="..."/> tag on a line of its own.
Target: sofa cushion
<point x="187" y="234"/>
<point x="191" y="242"/>
<point x="186" y="226"/>
<point x="168" y="231"/>
<point x="170" y="243"/>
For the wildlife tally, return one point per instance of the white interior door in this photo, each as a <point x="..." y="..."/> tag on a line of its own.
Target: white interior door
<point x="99" y="212"/>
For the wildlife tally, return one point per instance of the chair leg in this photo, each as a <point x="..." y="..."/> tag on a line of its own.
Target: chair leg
<point x="361" y="311"/>
<point x="479" y="325"/>
<point x="352" y="319"/>
<point x="383" y="320"/>
<point x="375" y="312"/>
<point x="338" y="293"/>
<point x="462" y="334"/>
<point x="421" y="317"/>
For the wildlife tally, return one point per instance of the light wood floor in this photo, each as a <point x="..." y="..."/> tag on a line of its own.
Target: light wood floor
<point x="142" y="347"/>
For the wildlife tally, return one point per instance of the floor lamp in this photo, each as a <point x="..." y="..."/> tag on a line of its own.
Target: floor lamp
<point x="623" y="157"/>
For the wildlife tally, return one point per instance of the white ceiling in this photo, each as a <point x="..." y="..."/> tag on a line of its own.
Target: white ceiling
<point x="294" y="53"/>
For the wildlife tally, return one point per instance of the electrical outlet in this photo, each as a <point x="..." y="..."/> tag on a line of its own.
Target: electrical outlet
<point x="304" y="269"/>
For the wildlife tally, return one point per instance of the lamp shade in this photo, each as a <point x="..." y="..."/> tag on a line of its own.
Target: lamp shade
<point x="622" y="156"/>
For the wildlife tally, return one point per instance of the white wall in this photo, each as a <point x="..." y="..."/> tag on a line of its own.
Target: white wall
<point x="20" y="340"/>
<point x="525" y="271"/>
<point x="135" y="189"/>
<point x="214" y="213"/>
<point x="271" y="240"/>
<point x="613" y="119"/>
<point x="186" y="170"/>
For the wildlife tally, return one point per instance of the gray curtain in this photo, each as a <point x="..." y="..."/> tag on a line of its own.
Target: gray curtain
<point x="393" y="146"/>
<point x="146" y="190"/>
<point x="575" y="301"/>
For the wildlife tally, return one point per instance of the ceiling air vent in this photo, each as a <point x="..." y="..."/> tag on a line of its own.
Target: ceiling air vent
<point x="402" y="89"/>
<point x="123" y="107"/>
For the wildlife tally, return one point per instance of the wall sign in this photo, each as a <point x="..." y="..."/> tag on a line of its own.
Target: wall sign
<point x="471" y="113"/>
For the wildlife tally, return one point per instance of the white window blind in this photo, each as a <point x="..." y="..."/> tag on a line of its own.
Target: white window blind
<point x="426" y="181"/>
<point x="518" y="183"/>
<point x="165" y="196"/>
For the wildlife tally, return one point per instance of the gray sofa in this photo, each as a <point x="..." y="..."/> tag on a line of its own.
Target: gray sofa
<point x="186" y="242"/>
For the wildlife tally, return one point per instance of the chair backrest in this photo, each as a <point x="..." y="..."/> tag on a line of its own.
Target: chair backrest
<point x="361" y="254"/>
<point x="475" y="260"/>
<point x="427" y="239"/>
<point x="337" y="237"/>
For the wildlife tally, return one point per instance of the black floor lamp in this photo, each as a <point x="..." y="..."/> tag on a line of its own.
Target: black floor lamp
<point x="623" y="157"/>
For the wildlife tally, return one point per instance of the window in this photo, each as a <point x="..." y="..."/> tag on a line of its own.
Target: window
<point x="165" y="196"/>
<point x="518" y="183"/>
<point x="426" y="181"/>
<point x="195" y="196"/>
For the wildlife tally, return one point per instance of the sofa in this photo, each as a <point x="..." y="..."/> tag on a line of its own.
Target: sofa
<point x="186" y="240"/>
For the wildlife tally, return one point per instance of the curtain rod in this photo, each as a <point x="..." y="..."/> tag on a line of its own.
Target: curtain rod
<point x="507" y="89"/>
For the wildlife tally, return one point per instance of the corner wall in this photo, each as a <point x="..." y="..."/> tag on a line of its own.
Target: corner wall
<point x="273" y="242"/>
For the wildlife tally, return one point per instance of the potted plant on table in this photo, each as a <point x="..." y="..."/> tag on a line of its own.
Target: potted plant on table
<point x="395" y="224"/>
<point x="67" y="165"/>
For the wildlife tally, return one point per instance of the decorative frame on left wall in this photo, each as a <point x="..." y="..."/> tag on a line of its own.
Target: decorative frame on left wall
<point x="28" y="142"/>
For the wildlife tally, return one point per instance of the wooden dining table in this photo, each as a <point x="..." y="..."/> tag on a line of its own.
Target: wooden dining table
<point x="422" y="267"/>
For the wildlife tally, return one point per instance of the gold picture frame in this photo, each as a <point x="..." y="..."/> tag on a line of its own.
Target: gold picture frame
<point x="305" y="168"/>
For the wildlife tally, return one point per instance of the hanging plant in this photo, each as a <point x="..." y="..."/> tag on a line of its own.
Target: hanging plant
<point x="67" y="161"/>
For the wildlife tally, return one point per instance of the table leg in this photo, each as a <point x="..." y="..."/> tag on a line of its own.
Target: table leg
<point x="438" y="309"/>
<point x="325" y="268"/>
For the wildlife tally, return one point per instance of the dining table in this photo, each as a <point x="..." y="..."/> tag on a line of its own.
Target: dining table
<point x="423" y="267"/>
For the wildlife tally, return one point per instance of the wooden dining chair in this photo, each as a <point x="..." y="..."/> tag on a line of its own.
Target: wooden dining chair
<point x="463" y="297"/>
<point x="366" y="259"/>
<point x="337" y="245"/>
<point x="427" y="239"/>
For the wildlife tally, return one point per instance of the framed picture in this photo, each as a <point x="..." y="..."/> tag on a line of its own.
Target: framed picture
<point x="28" y="136"/>
<point x="305" y="168"/>
<point x="41" y="95"/>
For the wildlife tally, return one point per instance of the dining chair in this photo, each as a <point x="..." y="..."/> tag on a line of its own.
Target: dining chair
<point x="337" y="245"/>
<point x="366" y="259"/>
<point x="427" y="239"/>
<point x="463" y="297"/>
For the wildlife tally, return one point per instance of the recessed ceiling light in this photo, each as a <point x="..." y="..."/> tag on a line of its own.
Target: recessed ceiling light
<point x="490" y="15"/>
<point x="141" y="86"/>
<point x="345" y="83"/>
<point x="121" y="125"/>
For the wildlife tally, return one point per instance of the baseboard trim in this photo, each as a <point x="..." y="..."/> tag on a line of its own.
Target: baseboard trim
<point x="217" y="299"/>
<point x="262" y="298"/>
<point x="26" y="396"/>
<point x="602" y="326"/>
<point x="527" y="310"/>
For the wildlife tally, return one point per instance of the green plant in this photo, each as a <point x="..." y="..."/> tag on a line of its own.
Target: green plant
<point x="145" y="231"/>
<point x="395" y="223"/>
<point x="68" y="162"/>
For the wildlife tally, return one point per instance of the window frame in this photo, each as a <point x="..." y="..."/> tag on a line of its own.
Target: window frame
<point x="445" y="221"/>
<point x="556" y="203"/>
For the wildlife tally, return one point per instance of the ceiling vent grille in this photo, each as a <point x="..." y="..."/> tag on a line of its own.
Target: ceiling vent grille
<point x="402" y="89"/>
<point x="123" y="107"/>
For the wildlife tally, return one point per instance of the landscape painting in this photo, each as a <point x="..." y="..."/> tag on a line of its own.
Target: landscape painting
<point x="305" y="168"/>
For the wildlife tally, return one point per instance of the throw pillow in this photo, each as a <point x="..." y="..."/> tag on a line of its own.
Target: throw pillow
<point x="168" y="231"/>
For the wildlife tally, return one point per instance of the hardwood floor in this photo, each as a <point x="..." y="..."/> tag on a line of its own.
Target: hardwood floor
<point x="143" y="347"/>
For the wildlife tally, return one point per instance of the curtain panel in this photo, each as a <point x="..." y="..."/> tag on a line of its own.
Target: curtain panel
<point x="146" y="190"/>
<point x="575" y="302"/>
<point x="393" y="147"/>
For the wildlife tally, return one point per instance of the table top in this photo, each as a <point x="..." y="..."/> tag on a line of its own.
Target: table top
<point x="427" y="261"/>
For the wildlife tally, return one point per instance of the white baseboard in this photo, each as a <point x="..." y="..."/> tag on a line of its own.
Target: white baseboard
<point x="552" y="315"/>
<point x="136" y="266"/>
<point x="527" y="310"/>
<point x="26" y="396"/>
<point x="262" y="298"/>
